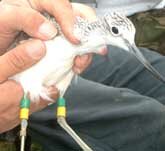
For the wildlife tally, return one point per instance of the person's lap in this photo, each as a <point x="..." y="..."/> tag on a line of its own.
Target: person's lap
<point x="109" y="118"/>
<point x="121" y="69"/>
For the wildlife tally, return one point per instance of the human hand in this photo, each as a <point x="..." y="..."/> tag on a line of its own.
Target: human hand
<point x="12" y="62"/>
<point x="28" y="12"/>
<point x="18" y="59"/>
<point x="64" y="13"/>
<point x="12" y="19"/>
<point x="82" y="62"/>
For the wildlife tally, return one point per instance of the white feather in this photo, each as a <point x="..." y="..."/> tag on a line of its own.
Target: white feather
<point x="54" y="69"/>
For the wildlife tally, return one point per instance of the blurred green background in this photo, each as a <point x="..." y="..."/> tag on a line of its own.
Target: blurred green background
<point x="9" y="146"/>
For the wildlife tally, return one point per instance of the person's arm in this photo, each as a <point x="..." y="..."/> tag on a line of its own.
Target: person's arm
<point x="13" y="19"/>
<point x="12" y="62"/>
<point x="62" y="10"/>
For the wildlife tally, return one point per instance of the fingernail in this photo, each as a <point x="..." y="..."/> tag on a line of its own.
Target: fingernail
<point x="35" y="49"/>
<point x="48" y="30"/>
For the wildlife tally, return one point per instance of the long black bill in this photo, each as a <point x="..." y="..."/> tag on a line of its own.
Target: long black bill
<point x="136" y="52"/>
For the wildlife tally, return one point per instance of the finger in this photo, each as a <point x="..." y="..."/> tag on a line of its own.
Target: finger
<point x="81" y="63"/>
<point x="52" y="92"/>
<point x="103" y="51"/>
<point x="20" y="58"/>
<point x="20" y="3"/>
<point x="84" y="11"/>
<point x="14" y="19"/>
<point x="63" y="13"/>
<point x="10" y="100"/>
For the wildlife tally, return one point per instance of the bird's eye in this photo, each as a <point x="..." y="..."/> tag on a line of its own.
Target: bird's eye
<point x="115" y="30"/>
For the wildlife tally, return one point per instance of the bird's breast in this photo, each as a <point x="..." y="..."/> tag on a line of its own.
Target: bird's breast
<point x="56" y="63"/>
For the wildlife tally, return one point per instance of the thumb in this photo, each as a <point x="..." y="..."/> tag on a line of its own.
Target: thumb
<point x="20" y="58"/>
<point x="14" y="19"/>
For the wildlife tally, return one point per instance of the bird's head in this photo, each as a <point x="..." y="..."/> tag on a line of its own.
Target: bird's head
<point x="112" y="29"/>
<point x="119" y="30"/>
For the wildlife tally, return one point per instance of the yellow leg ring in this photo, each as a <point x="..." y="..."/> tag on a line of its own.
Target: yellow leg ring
<point x="24" y="113"/>
<point x="61" y="111"/>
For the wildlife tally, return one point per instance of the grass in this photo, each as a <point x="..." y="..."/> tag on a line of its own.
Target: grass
<point x="7" y="146"/>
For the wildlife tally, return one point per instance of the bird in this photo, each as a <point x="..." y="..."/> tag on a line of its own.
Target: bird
<point x="56" y="67"/>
